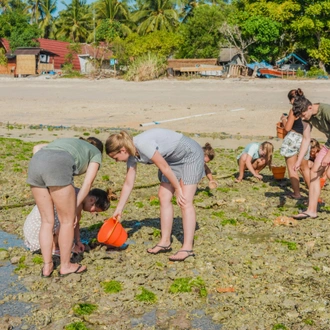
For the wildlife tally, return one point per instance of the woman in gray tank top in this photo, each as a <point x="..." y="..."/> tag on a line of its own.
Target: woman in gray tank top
<point x="180" y="161"/>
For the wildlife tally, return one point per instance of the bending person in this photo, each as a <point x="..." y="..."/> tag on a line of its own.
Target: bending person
<point x="317" y="114"/>
<point x="181" y="166"/>
<point x="298" y="131"/>
<point x="50" y="174"/>
<point x="97" y="200"/>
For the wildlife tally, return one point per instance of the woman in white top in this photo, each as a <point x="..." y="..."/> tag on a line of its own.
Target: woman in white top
<point x="181" y="166"/>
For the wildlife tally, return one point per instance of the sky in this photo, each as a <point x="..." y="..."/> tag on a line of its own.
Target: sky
<point x="60" y="6"/>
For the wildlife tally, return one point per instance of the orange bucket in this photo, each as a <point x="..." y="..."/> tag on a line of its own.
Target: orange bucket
<point x="112" y="233"/>
<point x="278" y="172"/>
<point x="281" y="132"/>
<point x="322" y="182"/>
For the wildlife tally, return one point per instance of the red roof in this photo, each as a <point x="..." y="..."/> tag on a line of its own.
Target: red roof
<point x="5" y="44"/>
<point x="61" y="49"/>
<point x="97" y="52"/>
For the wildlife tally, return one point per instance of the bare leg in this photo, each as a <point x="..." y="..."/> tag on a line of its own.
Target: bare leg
<point x="65" y="202"/>
<point x="259" y="164"/>
<point x="293" y="175"/>
<point x="188" y="221"/>
<point x="314" y="189"/>
<point x="165" y="194"/>
<point x="306" y="172"/>
<point x="241" y="167"/>
<point x="46" y="209"/>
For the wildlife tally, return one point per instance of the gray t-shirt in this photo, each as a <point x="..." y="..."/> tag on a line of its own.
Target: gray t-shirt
<point x="322" y="121"/>
<point x="147" y="143"/>
<point x="82" y="152"/>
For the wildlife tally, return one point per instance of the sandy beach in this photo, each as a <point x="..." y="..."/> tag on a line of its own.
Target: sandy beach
<point x="239" y="107"/>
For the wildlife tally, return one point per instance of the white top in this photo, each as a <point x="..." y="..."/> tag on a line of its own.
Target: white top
<point x="147" y="143"/>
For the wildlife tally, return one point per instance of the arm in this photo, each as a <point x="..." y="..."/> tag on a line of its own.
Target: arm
<point x="249" y="166"/>
<point x="208" y="173"/>
<point x="37" y="147"/>
<point x="125" y="192"/>
<point x="304" y="145"/>
<point x="88" y="181"/>
<point x="78" y="246"/>
<point x="288" y="121"/>
<point x="161" y="163"/>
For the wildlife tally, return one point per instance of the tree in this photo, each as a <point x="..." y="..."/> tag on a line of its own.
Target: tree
<point x="154" y="15"/>
<point x="75" y="22"/>
<point x="14" y="25"/>
<point x="200" y="33"/>
<point x="48" y="9"/>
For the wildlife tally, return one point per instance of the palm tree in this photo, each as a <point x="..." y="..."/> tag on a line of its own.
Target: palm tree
<point x="48" y="8"/>
<point x="75" y="22"/>
<point x="34" y="8"/>
<point x="156" y="15"/>
<point x="114" y="10"/>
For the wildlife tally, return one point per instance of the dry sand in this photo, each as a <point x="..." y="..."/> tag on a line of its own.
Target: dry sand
<point x="245" y="107"/>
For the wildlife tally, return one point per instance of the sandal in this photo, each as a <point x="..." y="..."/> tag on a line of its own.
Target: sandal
<point x="163" y="249"/>
<point x="190" y="253"/>
<point x="42" y="270"/>
<point x="75" y="272"/>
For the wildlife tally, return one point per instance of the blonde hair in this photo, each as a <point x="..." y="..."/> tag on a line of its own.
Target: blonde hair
<point x="269" y="149"/>
<point x="117" y="141"/>
<point x="208" y="151"/>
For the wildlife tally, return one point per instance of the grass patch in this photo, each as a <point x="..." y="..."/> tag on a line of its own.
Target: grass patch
<point x="105" y="178"/>
<point x="146" y="296"/>
<point x="308" y="321"/>
<point x="76" y="326"/>
<point x="37" y="260"/>
<point x="218" y="214"/>
<point x="111" y="287"/>
<point x="291" y="245"/>
<point x="226" y="222"/>
<point x="84" y="309"/>
<point x="186" y="284"/>
<point x="139" y="205"/>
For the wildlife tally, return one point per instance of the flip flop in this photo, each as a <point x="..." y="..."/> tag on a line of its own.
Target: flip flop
<point x="293" y="197"/>
<point x="303" y="217"/>
<point x="163" y="249"/>
<point x="190" y="253"/>
<point x="75" y="272"/>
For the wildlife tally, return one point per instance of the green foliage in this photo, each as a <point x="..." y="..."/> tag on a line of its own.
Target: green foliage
<point x="292" y="246"/>
<point x="84" y="309"/>
<point x="3" y="58"/>
<point x="86" y="134"/>
<point x="76" y="326"/>
<point x="108" y="30"/>
<point x="156" y="233"/>
<point x="225" y="222"/>
<point x="105" y="177"/>
<point x="218" y="214"/>
<point x="279" y="326"/>
<point x="146" y="296"/>
<point x="308" y="321"/>
<point x="200" y="33"/>
<point x="300" y="73"/>
<point x="111" y="287"/>
<point x="161" y="43"/>
<point x="146" y="67"/>
<point x="185" y="284"/>
<point x="314" y="72"/>
<point x="15" y="26"/>
<point x="38" y="260"/>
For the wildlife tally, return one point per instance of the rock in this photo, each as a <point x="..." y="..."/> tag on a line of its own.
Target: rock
<point x="15" y="260"/>
<point x="4" y="254"/>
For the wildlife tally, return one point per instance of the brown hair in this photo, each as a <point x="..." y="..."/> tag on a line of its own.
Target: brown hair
<point x="119" y="140"/>
<point x="102" y="198"/>
<point x="208" y="151"/>
<point x="294" y="93"/>
<point x="95" y="142"/>
<point x="300" y="105"/>
<point x="269" y="149"/>
<point x="315" y="144"/>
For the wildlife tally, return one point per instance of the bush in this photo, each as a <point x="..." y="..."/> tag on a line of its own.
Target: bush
<point x="146" y="67"/>
<point x="315" y="72"/>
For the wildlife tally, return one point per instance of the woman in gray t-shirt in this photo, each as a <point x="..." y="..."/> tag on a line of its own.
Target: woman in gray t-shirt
<point x="50" y="176"/>
<point x="181" y="166"/>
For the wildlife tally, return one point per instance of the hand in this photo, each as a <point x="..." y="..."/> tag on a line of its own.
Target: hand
<point x="296" y="166"/>
<point x="117" y="215"/>
<point x="284" y="117"/>
<point x="78" y="247"/>
<point x="180" y="199"/>
<point x="213" y="184"/>
<point x="258" y="176"/>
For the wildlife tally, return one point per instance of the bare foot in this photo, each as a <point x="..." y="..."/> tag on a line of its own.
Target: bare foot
<point x="238" y="180"/>
<point x="73" y="269"/>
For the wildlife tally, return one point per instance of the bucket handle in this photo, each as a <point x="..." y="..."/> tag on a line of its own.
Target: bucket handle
<point x="114" y="227"/>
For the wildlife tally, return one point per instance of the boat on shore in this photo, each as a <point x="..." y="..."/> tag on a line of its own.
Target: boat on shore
<point x="274" y="73"/>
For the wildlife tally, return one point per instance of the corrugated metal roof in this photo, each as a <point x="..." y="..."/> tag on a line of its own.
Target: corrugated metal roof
<point x="32" y="51"/>
<point x="61" y="49"/>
